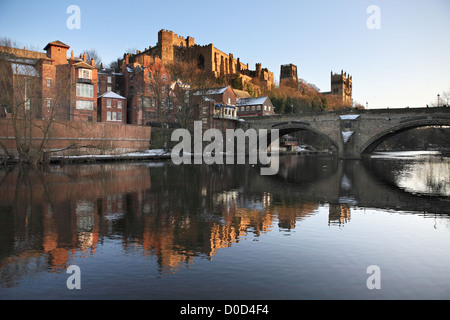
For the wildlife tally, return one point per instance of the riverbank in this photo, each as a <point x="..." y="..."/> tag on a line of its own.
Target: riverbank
<point x="147" y="155"/>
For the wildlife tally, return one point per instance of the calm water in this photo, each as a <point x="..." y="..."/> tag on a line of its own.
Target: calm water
<point x="159" y="231"/>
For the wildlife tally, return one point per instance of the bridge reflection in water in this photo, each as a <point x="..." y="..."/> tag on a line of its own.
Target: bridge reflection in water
<point x="176" y="213"/>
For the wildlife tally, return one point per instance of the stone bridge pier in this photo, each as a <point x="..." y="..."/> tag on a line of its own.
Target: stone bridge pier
<point x="353" y="133"/>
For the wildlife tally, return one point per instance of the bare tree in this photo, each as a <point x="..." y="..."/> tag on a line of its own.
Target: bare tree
<point x="187" y="79"/>
<point x="93" y="54"/>
<point x="23" y="101"/>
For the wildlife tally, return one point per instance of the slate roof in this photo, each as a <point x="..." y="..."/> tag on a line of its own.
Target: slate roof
<point x="251" y="101"/>
<point x="56" y="43"/>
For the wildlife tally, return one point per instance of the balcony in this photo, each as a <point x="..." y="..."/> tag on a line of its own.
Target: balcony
<point x="84" y="80"/>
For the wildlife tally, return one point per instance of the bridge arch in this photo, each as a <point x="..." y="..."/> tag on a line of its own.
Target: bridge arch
<point x="295" y="126"/>
<point x="377" y="139"/>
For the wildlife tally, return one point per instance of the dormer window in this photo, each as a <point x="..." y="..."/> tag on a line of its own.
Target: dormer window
<point x="85" y="74"/>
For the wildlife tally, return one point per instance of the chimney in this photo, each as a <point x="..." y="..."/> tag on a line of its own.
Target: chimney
<point x="71" y="55"/>
<point x="84" y="57"/>
<point x="93" y="62"/>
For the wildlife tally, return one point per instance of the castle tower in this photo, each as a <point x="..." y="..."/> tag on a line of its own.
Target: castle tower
<point x="341" y="86"/>
<point x="288" y="75"/>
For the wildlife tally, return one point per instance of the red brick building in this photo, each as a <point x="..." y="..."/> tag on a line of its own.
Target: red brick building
<point x="112" y="108"/>
<point x="255" y="107"/>
<point x="146" y="85"/>
<point x="48" y="85"/>
<point x="217" y="107"/>
<point x="109" y="80"/>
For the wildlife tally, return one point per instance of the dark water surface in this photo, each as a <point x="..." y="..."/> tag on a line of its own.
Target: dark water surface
<point x="160" y="231"/>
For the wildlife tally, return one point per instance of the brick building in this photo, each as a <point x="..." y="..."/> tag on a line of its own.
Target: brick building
<point x="48" y="85"/>
<point x="216" y="107"/>
<point x="146" y="85"/>
<point x="255" y="107"/>
<point x="112" y="108"/>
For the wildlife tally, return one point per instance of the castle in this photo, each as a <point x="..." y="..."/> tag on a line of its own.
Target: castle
<point x="341" y="84"/>
<point x="174" y="48"/>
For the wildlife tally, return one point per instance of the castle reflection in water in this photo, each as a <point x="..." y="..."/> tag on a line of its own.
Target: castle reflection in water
<point x="48" y="217"/>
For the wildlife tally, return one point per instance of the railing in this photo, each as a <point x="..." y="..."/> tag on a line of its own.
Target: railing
<point x="83" y="80"/>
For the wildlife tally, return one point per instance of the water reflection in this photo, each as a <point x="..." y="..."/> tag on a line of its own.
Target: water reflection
<point x="419" y="172"/>
<point x="177" y="213"/>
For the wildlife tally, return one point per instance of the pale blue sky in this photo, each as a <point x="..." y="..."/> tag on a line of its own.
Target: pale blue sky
<point x="405" y="63"/>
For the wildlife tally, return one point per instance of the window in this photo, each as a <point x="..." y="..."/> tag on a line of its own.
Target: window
<point x="229" y="100"/>
<point x="28" y="104"/>
<point x="147" y="102"/>
<point x="49" y="103"/>
<point x="109" y="79"/>
<point x="108" y="116"/>
<point x="84" y="73"/>
<point x="114" y="116"/>
<point x="108" y="89"/>
<point x="164" y="77"/>
<point x="108" y="103"/>
<point x="85" y="90"/>
<point x="85" y="105"/>
<point x="119" y="104"/>
<point x="49" y="83"/>
<point x="149" y="75"/>
<point x="163" y="90"/>
<point x="150" y="88"/>
<point x="119" y="116"/>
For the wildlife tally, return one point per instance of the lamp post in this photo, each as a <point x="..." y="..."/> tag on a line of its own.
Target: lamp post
<point x="438" y="99"/>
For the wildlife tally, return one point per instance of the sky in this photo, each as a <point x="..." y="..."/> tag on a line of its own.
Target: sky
<point x="398" y="54"/>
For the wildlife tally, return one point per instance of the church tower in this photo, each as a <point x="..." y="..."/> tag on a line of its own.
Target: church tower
<point x="341" y="86"/>
<point x="288" y="75"/>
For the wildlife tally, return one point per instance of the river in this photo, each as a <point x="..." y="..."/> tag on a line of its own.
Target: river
<point x="322" y="228"/>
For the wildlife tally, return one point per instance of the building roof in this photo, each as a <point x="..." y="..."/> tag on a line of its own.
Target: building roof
<point x="111" y="95"/>
<point x="251" y="101"/>
<point x="56" y="43"/>
<point x="211" y="91"/>
<point x="82" y="64"/>
<point x="241" y="94"/>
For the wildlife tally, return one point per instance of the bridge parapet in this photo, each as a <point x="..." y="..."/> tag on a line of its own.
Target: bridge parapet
<point x="354" y="132"/>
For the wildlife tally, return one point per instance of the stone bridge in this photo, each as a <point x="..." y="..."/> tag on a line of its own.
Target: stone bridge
<point x="353" y="133"/>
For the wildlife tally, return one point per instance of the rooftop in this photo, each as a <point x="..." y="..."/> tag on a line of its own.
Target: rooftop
<point x="251" y="101"/>
<point x="111" y="95"/>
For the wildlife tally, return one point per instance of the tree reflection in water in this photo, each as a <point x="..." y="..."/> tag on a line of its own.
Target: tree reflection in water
<point x="177" y="213"/>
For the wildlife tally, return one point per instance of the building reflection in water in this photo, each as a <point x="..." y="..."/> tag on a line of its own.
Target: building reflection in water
<point x="171" y="213"/>
<point x="70" y="211"/>
<point x="339" y="214"/>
